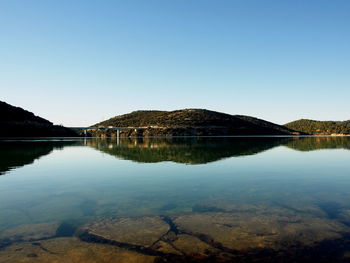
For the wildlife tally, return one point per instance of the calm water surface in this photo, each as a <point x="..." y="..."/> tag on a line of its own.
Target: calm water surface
<point x="284" y="194"/>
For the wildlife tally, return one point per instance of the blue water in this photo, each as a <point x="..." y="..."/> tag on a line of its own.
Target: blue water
<point x="77" y="181"/>
<point x="80" y="180"/>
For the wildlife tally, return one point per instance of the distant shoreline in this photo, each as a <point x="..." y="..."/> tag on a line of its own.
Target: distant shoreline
<point x="162" y="137"/>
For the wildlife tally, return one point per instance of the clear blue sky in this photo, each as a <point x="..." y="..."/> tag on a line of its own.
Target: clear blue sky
<point x="79" y="62"/>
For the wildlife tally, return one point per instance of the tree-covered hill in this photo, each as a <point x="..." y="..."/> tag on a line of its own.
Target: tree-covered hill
<point x="320" y="127"/>
<point x="17" y="122"/>
<point x="194" y="122"/>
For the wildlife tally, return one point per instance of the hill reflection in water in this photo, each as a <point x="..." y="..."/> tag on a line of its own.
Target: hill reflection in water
<point x="319" y="143"/>
<point x="199" y="150"/>
<point x="14" y="154"/>
<point x="206" y="150"/>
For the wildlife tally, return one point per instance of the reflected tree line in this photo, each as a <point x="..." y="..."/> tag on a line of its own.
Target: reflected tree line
<point x="14" y="154"/>
<point x="184" y="150"/>
<point x="205" y="150"/>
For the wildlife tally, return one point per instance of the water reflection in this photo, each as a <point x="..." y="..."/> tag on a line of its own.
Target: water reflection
<point x="152" y="150"/>
<point x="185" y="150"/>
<point x="205" y="150"/>
<point x="283" y="202"/>
<point x="319" y="143"/>
<point x="14" y="154"/>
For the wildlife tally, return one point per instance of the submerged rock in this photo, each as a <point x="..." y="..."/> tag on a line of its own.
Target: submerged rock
<point x="144" y="231"/>
<point x="241" y="231"/>
<point x="191" y="245"/>
<point x="198" y="237"/>
<point x="69" y="250"/>
<point x="28" y="232"/>
<point x="166" y="248"/>
<point x="214" y="234"/>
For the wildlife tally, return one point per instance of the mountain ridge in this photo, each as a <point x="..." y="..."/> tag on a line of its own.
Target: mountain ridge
<point x="320" y="127"/>
<point x="193" y="122"/>
<point x="17" y="122"/>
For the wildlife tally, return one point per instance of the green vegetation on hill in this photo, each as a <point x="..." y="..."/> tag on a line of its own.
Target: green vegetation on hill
<point x="11" y="113"/>
<point x="17" y="122"/>
<point x="320" y="127"/>
<point x="195" y="122"/>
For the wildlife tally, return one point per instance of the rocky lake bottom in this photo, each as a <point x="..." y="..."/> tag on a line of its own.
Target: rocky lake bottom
<point x="267" y="199"/>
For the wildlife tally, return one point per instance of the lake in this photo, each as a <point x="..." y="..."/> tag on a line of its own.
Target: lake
<point x="229" y="199"/>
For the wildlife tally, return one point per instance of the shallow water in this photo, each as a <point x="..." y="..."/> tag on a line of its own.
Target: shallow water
<point x="218" y="199"/>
